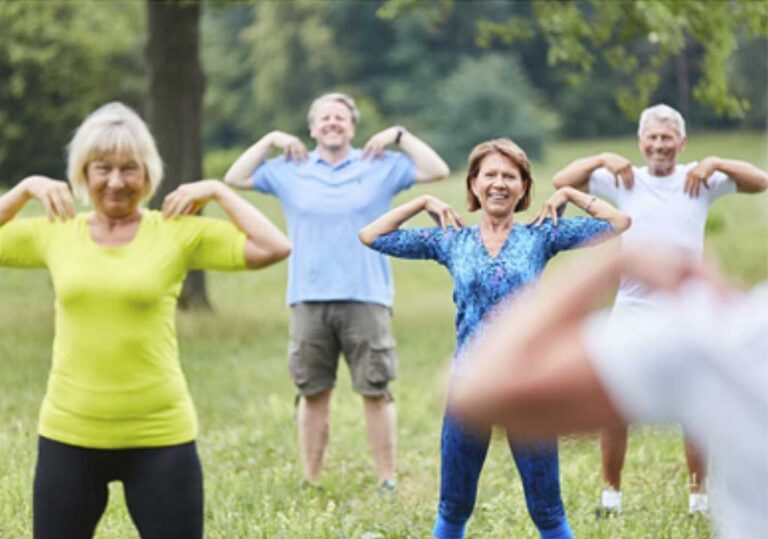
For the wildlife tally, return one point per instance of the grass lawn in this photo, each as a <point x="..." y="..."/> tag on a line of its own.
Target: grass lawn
<point x="235" y="361"/>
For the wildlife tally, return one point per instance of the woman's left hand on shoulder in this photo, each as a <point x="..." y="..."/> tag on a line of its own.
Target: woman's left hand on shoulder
<point x="552" y="208"/>
<point x="189" y="198"/>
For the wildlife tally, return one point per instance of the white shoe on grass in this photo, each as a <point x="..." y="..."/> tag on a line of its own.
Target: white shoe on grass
<point x="610" y="503"/>
<point x="698" y="503"/>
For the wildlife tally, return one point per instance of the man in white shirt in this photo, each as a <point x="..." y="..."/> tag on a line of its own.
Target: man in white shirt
<point x="570" y="369"/>
<point x="668" y="203"/>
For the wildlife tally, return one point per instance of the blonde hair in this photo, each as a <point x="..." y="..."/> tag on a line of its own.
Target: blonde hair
<point x="662" y="113"/>
<point x="112" y="129"/>
<point x="508" y="149"/>
<point x="344" y="99"/>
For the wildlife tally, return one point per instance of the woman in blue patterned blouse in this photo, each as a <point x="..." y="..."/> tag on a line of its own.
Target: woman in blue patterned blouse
<point x="489" y="262"/>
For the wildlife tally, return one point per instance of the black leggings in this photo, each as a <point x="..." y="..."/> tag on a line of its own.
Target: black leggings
<point x="163" y="490"/>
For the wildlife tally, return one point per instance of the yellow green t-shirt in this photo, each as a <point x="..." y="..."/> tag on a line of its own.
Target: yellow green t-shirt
<point x="116" y="381"/>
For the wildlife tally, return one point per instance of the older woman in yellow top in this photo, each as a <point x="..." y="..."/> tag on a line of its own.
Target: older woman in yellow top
<point x="117" y="406"/>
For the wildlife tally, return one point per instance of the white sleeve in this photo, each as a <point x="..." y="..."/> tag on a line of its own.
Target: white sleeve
<point x="602" y="183"/>
<point x="644" y="360"/>
<point x="720" y="184"/>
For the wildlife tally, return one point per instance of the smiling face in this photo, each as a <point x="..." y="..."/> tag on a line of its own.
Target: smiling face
<point x="660" y="142"/>
<point x="498" y="186"/>
<point x="117" y="183"/>
<point x="332" y="126"/>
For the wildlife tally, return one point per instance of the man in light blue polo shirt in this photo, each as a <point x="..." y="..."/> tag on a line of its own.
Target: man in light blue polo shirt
<point x="340" y="292"/>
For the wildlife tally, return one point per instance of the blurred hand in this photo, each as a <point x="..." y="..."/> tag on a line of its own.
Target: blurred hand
<point x="667" y="269"/>
<point x="620" y="167"/>
<point x="54" y="194"/>
<point x="552" y="208"/>
<point x="442" y="213"/>
<point x="378" y="143"/>
<point x="189" y="198"/>
<point x="292" y="147"/>
<point x="699" y="175"/>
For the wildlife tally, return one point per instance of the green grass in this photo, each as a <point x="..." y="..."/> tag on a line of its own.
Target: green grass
<point x="235" y="361"/>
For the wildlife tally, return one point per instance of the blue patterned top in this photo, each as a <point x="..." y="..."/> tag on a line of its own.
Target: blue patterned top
<point x="481" y="281"/>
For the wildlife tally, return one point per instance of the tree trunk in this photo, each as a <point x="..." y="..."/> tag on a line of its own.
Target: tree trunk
<point x="174" y="107"/>
<point x="683" y="84"/>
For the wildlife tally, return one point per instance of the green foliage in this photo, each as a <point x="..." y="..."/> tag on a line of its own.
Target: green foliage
<point x="750" y="79"/>
<point x="297" y="58"/>
<point x="485" y="98"/>
<point x="228" y="113"/>
<point x="52" y="75"/>
<point x="265" y="61"/>
<point x="216" y="162"/>
<point x="635" y="38"/>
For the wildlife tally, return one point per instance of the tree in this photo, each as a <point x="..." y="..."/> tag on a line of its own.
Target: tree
<point x="229" y="115"/>
<point x="465" y="113"/>
<point x="174" y="106"/>
<point x="52" y="76"/>
<point x="634" y="38"/>
<point x="297" y="58"/>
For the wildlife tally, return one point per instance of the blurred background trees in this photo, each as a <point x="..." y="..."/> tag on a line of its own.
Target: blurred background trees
<point x="58" y="62"/>
<point x="455" y="72"/>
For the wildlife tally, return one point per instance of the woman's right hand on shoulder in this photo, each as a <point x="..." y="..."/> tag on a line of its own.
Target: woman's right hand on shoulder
<point x="54" y="194"/>
<point x="443" y="214"/>
<point x="291" y="146"/>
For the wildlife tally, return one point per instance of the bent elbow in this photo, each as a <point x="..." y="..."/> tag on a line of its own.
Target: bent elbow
<point x="284" y="251"/>
<point x="232" y="179"/>
<point x="438" y="172"/>
<point x="559" y="181"/>
<point x="442" y="172"/>
<point x="623" y="223"/>
<point x="365" y="236"/>
<point x="257" y="258"/>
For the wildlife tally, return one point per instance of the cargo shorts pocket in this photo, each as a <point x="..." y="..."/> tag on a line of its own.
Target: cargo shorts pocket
<point x="382" y="362"/>
<point x="296" y="365"/>
<point x="312" y="366"/>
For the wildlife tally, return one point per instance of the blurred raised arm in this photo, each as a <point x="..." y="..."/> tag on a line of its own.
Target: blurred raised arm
<point x="239" y="174"/>
<point x="429" y="165"/>
<point x="577" y="173"/>
<point x="441" y="212"/>
<point x="265" y="243"/>
<point x="54" y="194"/>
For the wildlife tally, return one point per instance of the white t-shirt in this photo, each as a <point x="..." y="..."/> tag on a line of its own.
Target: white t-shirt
<point x="663" y="215"/>
<point x="701" y="361"/>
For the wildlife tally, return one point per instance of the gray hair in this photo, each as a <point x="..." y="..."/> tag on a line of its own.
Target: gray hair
<point x="334" y="96"/>
<point x="662" y="113"/>
<point x="112" y="129"/>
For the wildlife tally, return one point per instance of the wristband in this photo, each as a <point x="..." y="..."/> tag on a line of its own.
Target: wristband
<point x="400" y="131"/>
<point x="589" y="205"/>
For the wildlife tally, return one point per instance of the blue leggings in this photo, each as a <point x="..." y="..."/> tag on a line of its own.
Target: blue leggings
<point x="463" y="455"/>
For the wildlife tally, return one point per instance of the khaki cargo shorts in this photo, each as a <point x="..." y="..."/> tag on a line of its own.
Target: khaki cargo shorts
<point x="320" y="331"/>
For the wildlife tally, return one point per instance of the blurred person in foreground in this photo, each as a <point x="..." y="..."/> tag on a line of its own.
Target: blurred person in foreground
<point x="668" y="203"/>
<point x="117" y="407"/>
<point x="340" y="293"/>
<point x="700" y="359"/>
<point x="487" y="263"/>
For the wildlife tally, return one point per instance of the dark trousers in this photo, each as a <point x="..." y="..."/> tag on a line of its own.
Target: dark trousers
<point x="163" y="490"/>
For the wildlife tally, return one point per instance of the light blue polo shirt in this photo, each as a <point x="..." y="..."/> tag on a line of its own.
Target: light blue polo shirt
<point x="325" y="207"/>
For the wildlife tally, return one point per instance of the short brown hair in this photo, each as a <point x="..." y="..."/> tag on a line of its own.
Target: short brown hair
<point x="508" y="149"/>
<point x="344" y="99"/>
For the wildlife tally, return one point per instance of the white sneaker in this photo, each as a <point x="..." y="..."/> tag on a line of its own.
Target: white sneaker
<point x="698" y="503"/>
<point x="610" y="503"/>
